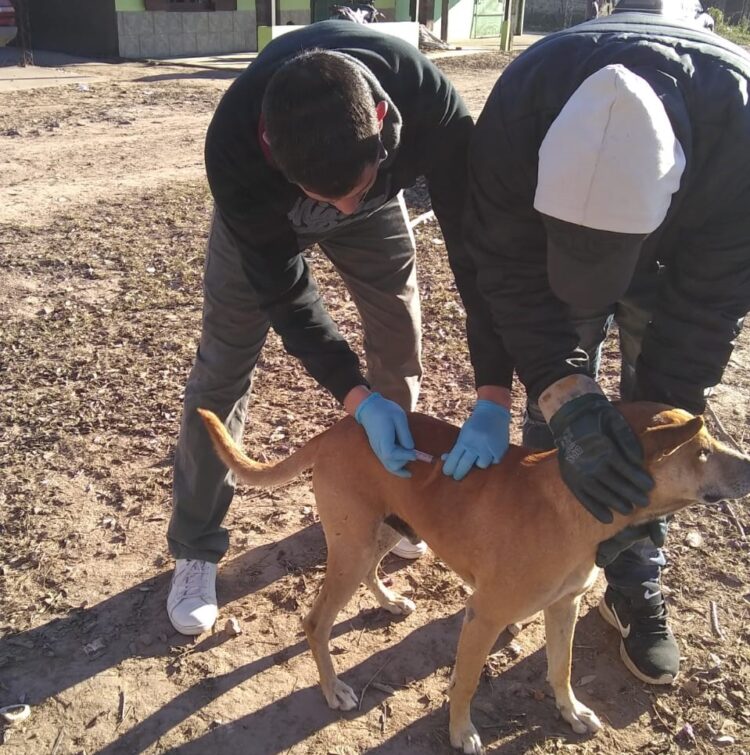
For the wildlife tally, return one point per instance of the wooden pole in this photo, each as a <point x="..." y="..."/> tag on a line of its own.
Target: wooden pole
<point x="506" y="33"/>
<point x="519" y="17"/>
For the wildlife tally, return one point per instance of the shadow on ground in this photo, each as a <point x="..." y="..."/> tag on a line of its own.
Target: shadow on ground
<point x="51" y="658"/>
<point x="509" y="709"/>
<point x="196" y="75"/>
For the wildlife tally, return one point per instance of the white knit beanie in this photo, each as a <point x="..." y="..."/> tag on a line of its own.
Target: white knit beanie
<point x="610" y="159"/>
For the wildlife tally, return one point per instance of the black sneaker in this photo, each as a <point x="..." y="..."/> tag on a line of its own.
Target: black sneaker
<point x="648" y="648"/>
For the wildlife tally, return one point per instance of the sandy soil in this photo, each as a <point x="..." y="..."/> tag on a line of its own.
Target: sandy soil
<point x="104" y="221"/>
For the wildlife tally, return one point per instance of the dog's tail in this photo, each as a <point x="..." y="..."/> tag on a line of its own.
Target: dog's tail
<point x="254" y="472"/>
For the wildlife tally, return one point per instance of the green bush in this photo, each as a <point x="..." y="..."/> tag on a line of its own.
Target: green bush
<point x="738" y="32"/>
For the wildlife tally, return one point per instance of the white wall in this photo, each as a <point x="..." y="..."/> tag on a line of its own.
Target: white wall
<point x="406" y="30"/>
<point x="460" y="17"/>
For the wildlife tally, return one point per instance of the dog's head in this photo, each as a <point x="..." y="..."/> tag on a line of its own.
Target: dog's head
<point x="688" y="465"/>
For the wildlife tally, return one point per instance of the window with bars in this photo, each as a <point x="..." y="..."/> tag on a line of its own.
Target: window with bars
<point x="188" y="5"/>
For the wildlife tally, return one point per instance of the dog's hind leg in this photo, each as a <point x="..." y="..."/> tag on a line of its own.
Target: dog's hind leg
<point x="560" y="620"/>
<point x="388" y="599"/>
<point x="350" y="553"/>
<point x="478" y="635"/>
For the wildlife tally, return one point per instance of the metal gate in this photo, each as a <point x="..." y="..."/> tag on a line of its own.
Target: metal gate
<point x="488" y="18"/>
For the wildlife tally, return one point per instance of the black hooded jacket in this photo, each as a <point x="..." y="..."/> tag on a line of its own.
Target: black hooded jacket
<point x="426" y="133"/>
<point x="702" y="249"/>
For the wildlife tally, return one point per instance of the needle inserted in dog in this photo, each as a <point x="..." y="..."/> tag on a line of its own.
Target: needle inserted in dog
<point x="422" y="456"/>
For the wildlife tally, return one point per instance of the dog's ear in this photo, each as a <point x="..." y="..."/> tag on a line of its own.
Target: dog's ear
<point x="664" y="440"/>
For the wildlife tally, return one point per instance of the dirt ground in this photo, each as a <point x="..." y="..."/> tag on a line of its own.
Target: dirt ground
<point x="105" y="214"/>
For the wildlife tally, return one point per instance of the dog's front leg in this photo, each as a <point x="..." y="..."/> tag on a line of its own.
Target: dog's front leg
<point x="478" y="635"/>
<point x="560" y="620"/>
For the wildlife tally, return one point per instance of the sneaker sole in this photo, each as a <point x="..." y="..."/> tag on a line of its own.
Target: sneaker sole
<point x="608" y="616"/>
<point x="192" y="630"/>
<point x="411" y="553"/>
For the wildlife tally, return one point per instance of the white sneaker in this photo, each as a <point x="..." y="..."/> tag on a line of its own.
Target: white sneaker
<point x="404" y="548"/>
<point x="191" y="604"/>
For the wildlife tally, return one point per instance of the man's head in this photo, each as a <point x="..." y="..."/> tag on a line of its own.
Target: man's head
<point x="323" y="125"/>
<point x="608" y="168"/>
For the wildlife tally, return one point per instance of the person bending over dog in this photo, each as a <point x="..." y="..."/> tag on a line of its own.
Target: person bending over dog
<point x="313" y="143"/>
<point x="609" y="180"/>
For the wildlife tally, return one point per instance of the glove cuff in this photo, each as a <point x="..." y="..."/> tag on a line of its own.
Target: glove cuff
<point x="372" y="398"/>
<point x="570" y="411"/>
<point x="491" y="406"/>
<point x="565" y="390"/>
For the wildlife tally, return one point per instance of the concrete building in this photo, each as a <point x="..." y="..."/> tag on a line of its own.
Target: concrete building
<point x="174" y="28"/>
<point x="143" y="28"/>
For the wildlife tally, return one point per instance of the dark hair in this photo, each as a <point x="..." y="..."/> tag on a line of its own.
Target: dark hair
<point x="320" y="120"/>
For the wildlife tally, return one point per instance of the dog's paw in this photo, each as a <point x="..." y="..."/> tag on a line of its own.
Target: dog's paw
<point x="341" y="696"/>
<point x="400" y="606"/>
<point x="467" y="740"/>
<point x="582" y="719"/>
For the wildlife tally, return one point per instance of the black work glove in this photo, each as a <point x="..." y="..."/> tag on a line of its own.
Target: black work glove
<point x="601" y="459"/>
<point x="610" y="549"/>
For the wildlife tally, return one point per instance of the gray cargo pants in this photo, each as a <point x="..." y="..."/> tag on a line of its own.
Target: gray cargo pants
<point x="641" y="562"/>
<point x="375" y="257"/>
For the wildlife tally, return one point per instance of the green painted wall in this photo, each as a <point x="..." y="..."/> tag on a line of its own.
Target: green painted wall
<point x="402" y="10"/>
<point x="130" y="5"/>
<point x="294" y="4"/>
<point x="264" y="36"/>
<point x="141" y="5"/>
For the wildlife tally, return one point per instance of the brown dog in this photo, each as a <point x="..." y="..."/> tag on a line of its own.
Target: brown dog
<point x="513" y="532"/>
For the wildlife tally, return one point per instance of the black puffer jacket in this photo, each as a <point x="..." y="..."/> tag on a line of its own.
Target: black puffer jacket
<point x="703" y="245"/>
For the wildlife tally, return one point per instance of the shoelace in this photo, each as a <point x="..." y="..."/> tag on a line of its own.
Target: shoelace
<point x="651" y="624"/>
<point x="192" y="578"/>
<point x="649" y="617"/>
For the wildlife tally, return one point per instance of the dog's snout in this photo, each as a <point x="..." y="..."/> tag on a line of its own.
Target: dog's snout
<point x="731" y="477"/>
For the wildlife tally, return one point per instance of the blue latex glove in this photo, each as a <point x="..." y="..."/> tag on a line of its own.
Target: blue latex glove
<point x="483" y="440"/>
<point x="388" y="431"/>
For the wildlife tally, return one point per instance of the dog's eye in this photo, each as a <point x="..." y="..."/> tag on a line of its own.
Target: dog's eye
<point x="704" y="454"/>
